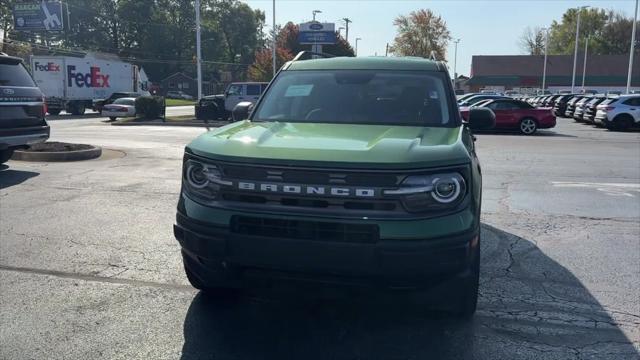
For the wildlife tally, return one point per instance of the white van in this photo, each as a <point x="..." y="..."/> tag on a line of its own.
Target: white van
<point x="242" y="91"/>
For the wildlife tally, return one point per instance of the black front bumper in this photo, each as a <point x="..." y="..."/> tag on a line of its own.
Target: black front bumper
<point x="221" y="257"/>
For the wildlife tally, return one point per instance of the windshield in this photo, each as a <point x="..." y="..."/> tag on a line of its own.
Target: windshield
<point x="15" y="75"/>
<point x="358" y="97"/>
<point x="124" y="101"/>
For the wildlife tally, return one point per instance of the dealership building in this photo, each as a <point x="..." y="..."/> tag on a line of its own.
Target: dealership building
<point x="524" y="73"/>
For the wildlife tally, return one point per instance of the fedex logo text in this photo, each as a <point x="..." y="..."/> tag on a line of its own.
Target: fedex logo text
<point x="47" y="67"/>
<point x="91" y="79"/>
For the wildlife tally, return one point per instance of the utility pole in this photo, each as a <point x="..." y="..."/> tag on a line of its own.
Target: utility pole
<point x="633" y="47"/>
<point x="314" y="12"/>
<point x="584" y="65"/>
<point x="274" y="42"/>
<point x="198" y="55"/>
<point x="455" y="64"/>
<point x="575" y="53"/>
<point x="544" y="67"/>
<point x="386" y="52"/>
<point x="357" y="39"/>
<point x="346" y="24"/>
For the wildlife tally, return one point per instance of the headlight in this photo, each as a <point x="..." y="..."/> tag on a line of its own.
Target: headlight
<point x="431" y="192"/>
<point x="202" y="180"/>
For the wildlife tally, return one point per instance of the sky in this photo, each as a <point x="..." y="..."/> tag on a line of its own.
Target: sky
<point x="484" y="27"/>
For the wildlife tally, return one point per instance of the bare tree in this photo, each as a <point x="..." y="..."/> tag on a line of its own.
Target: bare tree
<point x="532" y="41"/>
<point x="421" y="33"/>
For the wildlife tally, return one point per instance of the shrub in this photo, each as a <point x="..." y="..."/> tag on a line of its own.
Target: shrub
<point x="150" y="107"/>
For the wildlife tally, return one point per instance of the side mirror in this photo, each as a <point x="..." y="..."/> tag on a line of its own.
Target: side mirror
<point x="241" y="111"/>
<point x="481" y="119"/>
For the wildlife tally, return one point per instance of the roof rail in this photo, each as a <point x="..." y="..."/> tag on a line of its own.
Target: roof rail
<point x="302" y="54"/>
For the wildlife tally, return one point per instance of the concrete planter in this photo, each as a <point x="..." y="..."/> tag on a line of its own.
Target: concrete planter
<point x="59" y="152"/>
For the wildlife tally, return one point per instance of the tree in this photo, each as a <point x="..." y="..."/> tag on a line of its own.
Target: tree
<point x="262" y="67"/>
<point x="562" y="34"/>
<point x="421" y="33"/>
<point x="616" y="35"/>
<point x="532" y="41"/>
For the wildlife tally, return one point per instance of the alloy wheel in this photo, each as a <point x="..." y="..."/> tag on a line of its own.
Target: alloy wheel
<point x="528" y="126"/>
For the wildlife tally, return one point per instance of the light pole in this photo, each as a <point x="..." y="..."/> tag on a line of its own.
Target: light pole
<point x="273" y="45"/>
<point x="544" y="67"/>
<point x="633" y="47"/>
<point x="357" y="39"/>
<point x="198" y="55"/>
<point x="584" y="65"/>
<point x="314" y="12"/>
<point x="455" y="64"/>
<point x="575" y="53"/>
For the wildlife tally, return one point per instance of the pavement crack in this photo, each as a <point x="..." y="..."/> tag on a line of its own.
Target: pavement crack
<point x="102" y="279"/>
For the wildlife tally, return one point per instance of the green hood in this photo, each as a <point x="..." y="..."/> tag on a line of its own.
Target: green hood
<point x="339" y="145"/>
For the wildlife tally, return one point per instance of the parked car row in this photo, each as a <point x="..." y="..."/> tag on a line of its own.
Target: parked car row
<point x="512" y="114"/>
<point x="611" y="110"/>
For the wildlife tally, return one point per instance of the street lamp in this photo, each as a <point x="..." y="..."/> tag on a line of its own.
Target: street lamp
<point x="575" y="54"/>
<point x="544" y="67"/>
<point x="584" y="65"/>
<point x="633" y="47"/>
<point x="314" y="12"/>
<point x="357" y="39"/>
<point x="455" y="64"/>
<point x="273" y="43"/>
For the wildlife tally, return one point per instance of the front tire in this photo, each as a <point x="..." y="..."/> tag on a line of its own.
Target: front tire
<point x="206" y="289"/>
<point x="54" y="111"/>
<point x="5" y="155"/>
<point x="112" y="118"/>
<point x="528" y="126"/>
<point x="467" y="289"/>
<point x="77" y="108"/>
<point x="621" y="122"/>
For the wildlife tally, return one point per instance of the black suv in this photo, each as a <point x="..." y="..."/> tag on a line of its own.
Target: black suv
<point x="22" y="108"/>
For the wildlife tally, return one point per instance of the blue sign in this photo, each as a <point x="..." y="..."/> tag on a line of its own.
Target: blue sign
<point x="317" y="37"/>
<point x="43" y="16"/>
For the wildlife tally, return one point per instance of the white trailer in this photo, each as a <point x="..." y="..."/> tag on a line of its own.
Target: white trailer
<point x="73" y="83"/>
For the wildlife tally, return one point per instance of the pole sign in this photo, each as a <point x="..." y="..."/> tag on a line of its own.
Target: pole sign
<point x="317" y="33"/>
<point x="43" y="16"/>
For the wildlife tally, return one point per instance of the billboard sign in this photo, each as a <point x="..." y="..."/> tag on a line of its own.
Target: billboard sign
<point x="317" y="33"/>
<point x="43" y="16"/>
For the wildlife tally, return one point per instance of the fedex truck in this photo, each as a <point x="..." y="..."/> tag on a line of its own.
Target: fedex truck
<point x="74" y="83"/>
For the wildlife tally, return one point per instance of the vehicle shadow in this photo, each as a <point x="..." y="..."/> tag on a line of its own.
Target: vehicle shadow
<point x="530" y="307"/>
<point x="9" y="177"/>
<point x="539" y="133"/>
<point x="74" y="117"/>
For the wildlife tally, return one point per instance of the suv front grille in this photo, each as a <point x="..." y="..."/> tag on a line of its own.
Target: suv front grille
<point x="305" y="230"/>
<point x="298" y="176"/>
<point x="333" y="203"/>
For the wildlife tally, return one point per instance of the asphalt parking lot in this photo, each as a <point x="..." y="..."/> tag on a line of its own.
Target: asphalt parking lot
<point x="89" y="268"/>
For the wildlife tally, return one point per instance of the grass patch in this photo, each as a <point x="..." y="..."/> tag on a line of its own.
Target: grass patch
<point x="179" y="102"/>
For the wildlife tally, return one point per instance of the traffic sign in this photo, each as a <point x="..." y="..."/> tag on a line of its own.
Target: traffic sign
<point x="317" y="33"/>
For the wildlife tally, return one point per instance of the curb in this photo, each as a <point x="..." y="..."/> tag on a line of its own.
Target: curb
<point x="185" y="123"/>
<point x="45" y="156"/>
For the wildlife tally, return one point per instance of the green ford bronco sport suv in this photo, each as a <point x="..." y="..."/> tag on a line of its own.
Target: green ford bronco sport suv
<point x="349" y="172"/>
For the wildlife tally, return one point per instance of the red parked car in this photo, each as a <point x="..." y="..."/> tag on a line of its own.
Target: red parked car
<point x="518" y="115"/>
